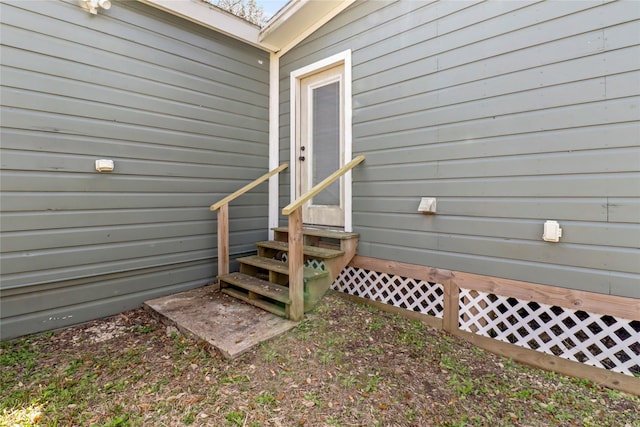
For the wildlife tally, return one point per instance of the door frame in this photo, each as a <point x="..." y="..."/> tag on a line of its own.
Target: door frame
<point x="339" y="59"/>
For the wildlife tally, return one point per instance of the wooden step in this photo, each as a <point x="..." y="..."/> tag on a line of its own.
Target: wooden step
<point x="310" y="251"/>
<point x="279" y="266"/>
<point x="265" y="305"/>
<point x="319" y="232"/>
<point x="257" y="286"/>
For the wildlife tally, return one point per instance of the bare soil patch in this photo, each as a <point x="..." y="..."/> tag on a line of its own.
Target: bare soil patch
<point x="346" y="365"/>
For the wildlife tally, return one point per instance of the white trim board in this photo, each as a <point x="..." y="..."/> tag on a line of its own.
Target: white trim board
<point x="342" y="58"/>
<point x="274" y="140"/>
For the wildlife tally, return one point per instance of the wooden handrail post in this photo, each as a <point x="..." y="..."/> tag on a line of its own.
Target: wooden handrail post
<point x="451" y="306"/>
<point x="296" y="266"/>
<point x="222" y="206"/>
<point x="223" y="239"/>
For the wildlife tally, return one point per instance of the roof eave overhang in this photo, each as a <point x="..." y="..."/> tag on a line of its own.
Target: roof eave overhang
<point x="297" y="20"/>
<point x="293" y="23"/>
<point x="214" y="18"/>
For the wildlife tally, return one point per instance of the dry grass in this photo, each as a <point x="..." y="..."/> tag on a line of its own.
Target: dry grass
<point x="348" y="365"/>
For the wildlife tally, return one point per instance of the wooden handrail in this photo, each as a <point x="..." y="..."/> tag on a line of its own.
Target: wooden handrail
<point x="296" y="240"/>
<point x="248" y="187"/>
<point x="223" y="218"/>
<point x="321" y="186"/>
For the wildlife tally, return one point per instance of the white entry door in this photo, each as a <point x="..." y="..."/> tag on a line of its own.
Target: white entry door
<point x="320" y="145"/>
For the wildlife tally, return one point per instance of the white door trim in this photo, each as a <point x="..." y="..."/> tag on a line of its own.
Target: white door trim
<point x="274" y="141"/>
<point x="342" y="58"/>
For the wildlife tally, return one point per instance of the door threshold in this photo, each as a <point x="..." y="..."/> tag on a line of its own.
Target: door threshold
<point x="323" y="227"/>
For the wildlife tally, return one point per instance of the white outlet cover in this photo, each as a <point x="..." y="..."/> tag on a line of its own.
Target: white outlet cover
<point x="552" y="231"/>
<point x="104" y="165"/>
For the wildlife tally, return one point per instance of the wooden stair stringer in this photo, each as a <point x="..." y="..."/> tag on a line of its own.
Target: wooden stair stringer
<point x="334" y="266"/>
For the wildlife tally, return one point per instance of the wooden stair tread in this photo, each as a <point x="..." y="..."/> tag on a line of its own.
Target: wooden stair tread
<point x="312" y="251"/>
<point x="279" y="266"/>
<point x="318" y="232"/>
<point x="258" y="286"/>
<point x="265" y="305"/>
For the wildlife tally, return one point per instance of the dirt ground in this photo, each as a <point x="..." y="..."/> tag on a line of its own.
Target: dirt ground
<point x="346" y="365"/>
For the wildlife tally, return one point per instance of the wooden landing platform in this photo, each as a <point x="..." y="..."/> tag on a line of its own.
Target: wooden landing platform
<point x="229" y="325"/>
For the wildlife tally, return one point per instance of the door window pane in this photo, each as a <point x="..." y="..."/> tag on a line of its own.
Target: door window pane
<point x="326" y="141"/>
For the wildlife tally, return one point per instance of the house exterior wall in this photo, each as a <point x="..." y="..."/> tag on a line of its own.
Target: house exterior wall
<point x="510" y="114"/>
<point x="181" y="110"/>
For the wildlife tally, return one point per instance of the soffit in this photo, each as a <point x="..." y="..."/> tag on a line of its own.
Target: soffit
<point x="299" y="18"/>
<point x="212" y="17"/>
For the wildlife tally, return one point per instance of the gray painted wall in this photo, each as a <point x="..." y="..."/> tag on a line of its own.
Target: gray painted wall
<point x="510" y="113"/>
<point x="181" y="110"/>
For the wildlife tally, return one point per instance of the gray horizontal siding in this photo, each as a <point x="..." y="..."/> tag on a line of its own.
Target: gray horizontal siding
<point x="181" y="110"/>
<point x="510" y="113"/>
<point x="54" y="296"/>
<point x="579" y="232"/>
<point x="63" y="303"/>
<point x="591" y="210"/>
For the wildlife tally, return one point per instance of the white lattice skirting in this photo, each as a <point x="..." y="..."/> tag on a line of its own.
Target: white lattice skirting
<point x="594" y="339"/>
<point x="411" y="294"/>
